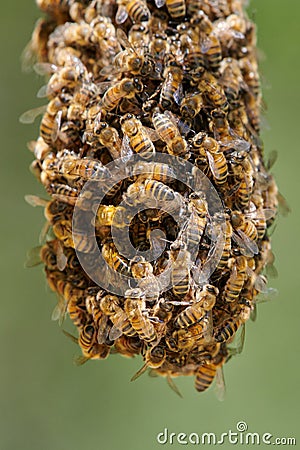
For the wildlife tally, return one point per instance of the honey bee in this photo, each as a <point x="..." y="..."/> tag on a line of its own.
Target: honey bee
<point x="138" y="34"/>
<point x="169" y="133"/>
<point x="110" y="305"/>
<point x="210" y="44"/>
<point x="127" y="88"/>
<point x="176" y="9"/>
<point x="37" y="49"/>
<point x="137" y="11"/>
<point x="108" y="137"/>
<point x="219" y="218"/>
<point x="213" y="91"/>
<point x="156" y="171"/>
<point x="136" y="136"/>
<point x="205" y="301"/>
<point x="180" y="269"/>
<point x="142" y="271"/>
<point x="205" y="375"/>
<point x="159" y="45"/>
<point x="230" y="326"/>
<point x="99" y="318"/>
<point x="128" y="346"/>
<point x="63" y="193"/>
<point x="139" y="236"/>
<point x="250" y="75"/>
<point x="246" y="233"/>
<point x="231" y="33"/>
<point x="154" y="357"/>
<point x="134" y="307"/>
<point x="171" y="87"/>
<point x="236" y="280"/>
<point x="231" y="78"/>
<point x="116" y="261"/>
<point x="244" y="175"/>
<point x="191" y="105"/>
<point x="77" y="312"/>
<point x="69" y="165"/>
<point x="89" y="346"/>
<point x="210" y="148"/>
<point x="196" y="224"/>
<point x="219" y="126"/>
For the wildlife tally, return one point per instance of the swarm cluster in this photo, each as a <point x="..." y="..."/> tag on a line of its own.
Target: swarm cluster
<point x="174" y="77"/>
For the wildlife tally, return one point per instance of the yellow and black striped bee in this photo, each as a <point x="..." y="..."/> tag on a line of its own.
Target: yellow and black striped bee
<point x="136" y="10"/>
<point x="115" y="92"/>
<point x="171" y="87"/>
<point x="169" y="133"/>
<point x="136" y="136"/>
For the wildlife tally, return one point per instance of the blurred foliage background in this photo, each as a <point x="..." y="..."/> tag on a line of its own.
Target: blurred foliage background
<point x="49" y="403"/>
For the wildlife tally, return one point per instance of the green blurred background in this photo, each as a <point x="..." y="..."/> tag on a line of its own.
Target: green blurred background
<point x="49" y="403"/>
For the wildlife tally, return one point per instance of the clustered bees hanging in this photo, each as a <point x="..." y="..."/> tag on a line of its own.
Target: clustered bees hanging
<point x="175" y="78"/>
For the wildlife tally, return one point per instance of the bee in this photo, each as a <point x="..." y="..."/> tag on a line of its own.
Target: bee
<point x="139" y="236"/>
<point x="191" y="105"/>
<point x="89" y="346"/>
<point x="158" y="191"/>
<point x="77" y="311"/>
<point x="142" y="271"/>
<point x="236" y="280"/>
<point x="231" y="33"/>
<point x="190" y="46"/>
<point x="100" y="319"/>
<point x="37" y="49"/>
<point x="219" y="126"/>
<point x="136" y="136"/>
<point x="213" y="91"/>
<point x="135" y="308"/>
<point x="205" y="375"/>
<point x="180" y="269"/>
<point x="250" y="76"/>
<point x="159" y="45"/>
<point x="110" y="305"/>
<point x="70" y="165"/>
<point x="196" y="224"/>
<point x="205" y="301"/>
<point x="218" y="219"/>
<point x="210" y="44"/>
<point x="252" y="108"/>
<point x="156" y="171"/>
<point x="246" y="233"/>
<point x="126" y="88"/>
<point x="128" y="346"/>
<point x="209" y="147"/>
<point x="231" y="78"/>
<point x="171" y="87"/>
<point x="176" y="8"/>
<point x="138" y="34"/>
<point x="108" y="137"/>
<point x="229" y="327"/>
<point x="244" y="175"/>
<point x="116" y="261"/>
<point x="169" y="133"/>
<point x="154" y="357"/>
<point x="136" y="10"/>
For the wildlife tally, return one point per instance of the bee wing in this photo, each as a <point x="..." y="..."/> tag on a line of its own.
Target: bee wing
<point x="57" y="125"/>
<point x="126" y="151"/>
<point x="266" y="295"/>
<point x="103" y="330"/>
<point x="28" y="57"/>
<point x="80" y="360"/>
<point x="284" y="208"/>
<point x="33" y="257"/>
<point x="253" y="314"/>
<point x="139" y="372"/>
<point x="70" y="336"/>
<point x="171" y="117"/>
<point x="271" y="270"/>
<point x="121" y="14"/>
<point x="178" y="95"/>
<point x="212" y="165"/>
<point x="272" y="158"/>
<point x="30" y="116"/>
<point x="43" y="68"/>
<point x="44" y="91"/>
<point x="60" y="311"/>
<point x="206" y="44"/>
<point x="123" y="40"/>
<point x="220" y="388"/>
<point x="238" y="342"/>
<point x="34" y="200"/>
<point x="248" y="247"/>
<point x="61" y="257"/>
<point x="173" y="386"/>
<point x="44" y="233"/>
<point x="115" y="333"/>
<point x="112" y="70"/>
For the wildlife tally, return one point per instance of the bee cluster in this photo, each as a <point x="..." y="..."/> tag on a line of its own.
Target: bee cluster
<point x="162" y="77"/>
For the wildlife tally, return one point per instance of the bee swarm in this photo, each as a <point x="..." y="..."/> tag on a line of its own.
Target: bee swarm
<point x="139" y="77"/>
